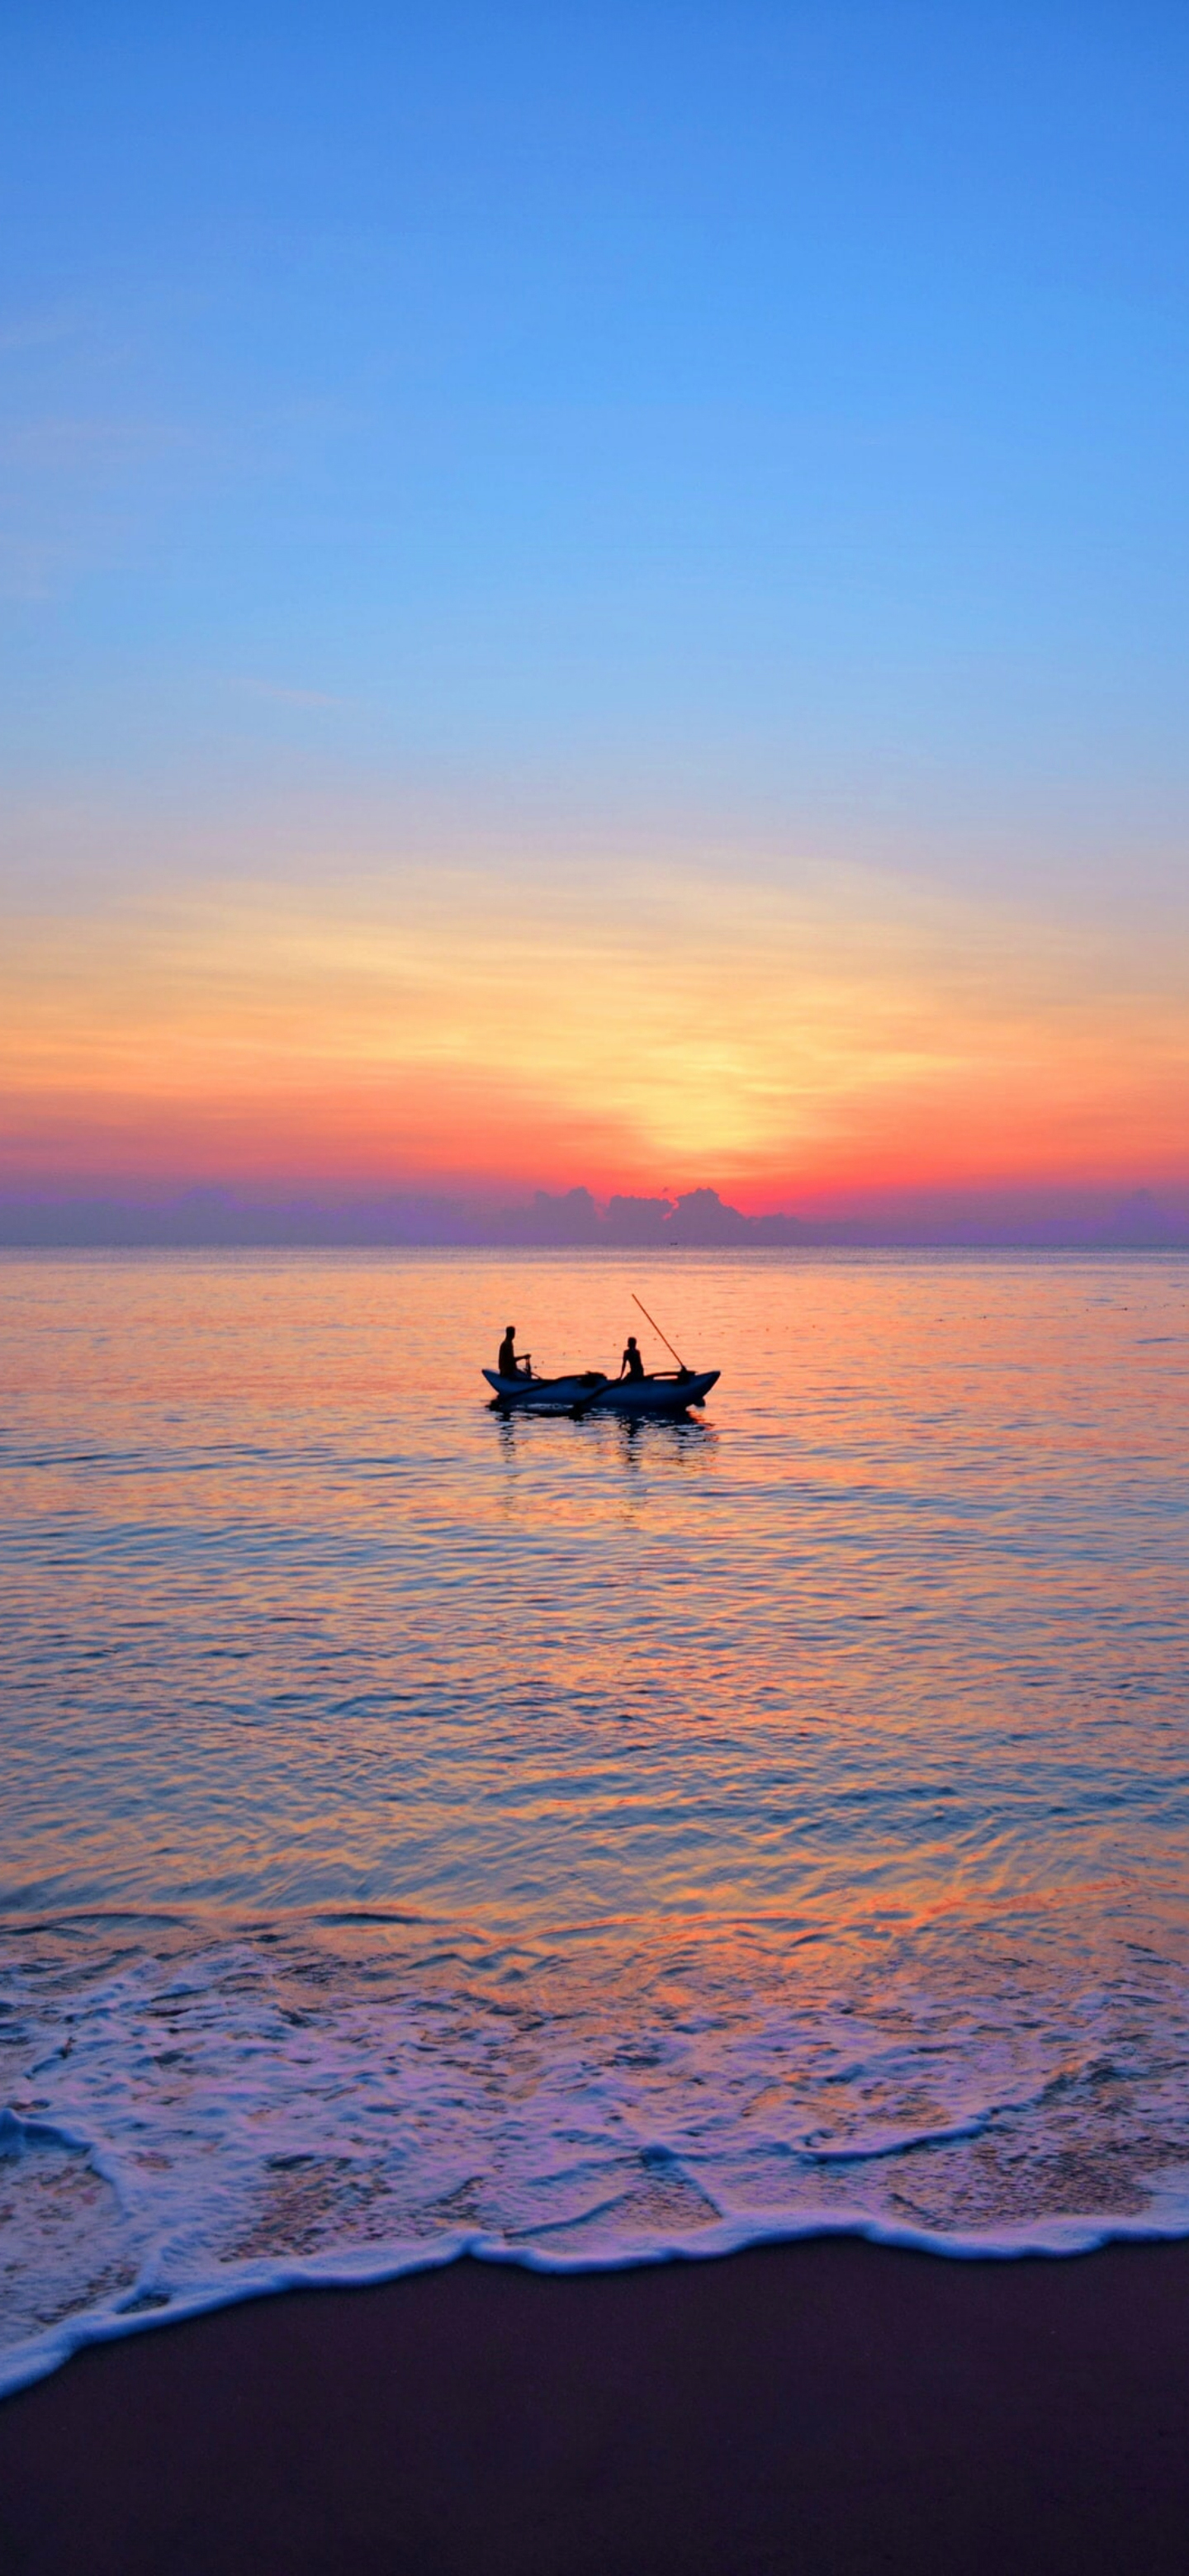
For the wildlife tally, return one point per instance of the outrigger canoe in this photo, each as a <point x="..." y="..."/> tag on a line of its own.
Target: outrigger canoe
<point x="588" y="1391"/>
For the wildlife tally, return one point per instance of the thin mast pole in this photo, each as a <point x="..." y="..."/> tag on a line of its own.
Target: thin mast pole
<point x="638" y="1301"/>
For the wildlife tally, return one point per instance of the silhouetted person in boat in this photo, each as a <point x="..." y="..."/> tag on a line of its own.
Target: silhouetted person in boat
<point x="631" y="1365"/>
<point x="507" y="1364"/>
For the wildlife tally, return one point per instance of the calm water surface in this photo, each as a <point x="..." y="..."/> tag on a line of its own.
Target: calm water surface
<point x="583" y="1839"/>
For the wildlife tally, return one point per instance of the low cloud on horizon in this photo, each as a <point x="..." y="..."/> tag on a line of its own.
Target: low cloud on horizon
<point x="698" y="1220"/>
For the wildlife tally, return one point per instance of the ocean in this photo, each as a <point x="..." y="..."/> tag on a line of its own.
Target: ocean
<point x="583" y="1842"/>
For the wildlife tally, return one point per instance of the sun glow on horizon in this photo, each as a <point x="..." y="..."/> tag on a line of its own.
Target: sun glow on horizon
<point x="638" y="1029"/>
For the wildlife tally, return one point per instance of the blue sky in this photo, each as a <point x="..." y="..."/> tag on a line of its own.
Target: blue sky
<point x="789" y="403"/>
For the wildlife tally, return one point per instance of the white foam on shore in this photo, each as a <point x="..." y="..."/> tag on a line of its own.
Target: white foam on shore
<point x="241" y="2117"/>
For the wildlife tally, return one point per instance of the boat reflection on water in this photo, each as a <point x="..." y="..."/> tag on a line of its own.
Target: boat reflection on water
<point x="677" y="1436"/>
<point x="637" y="1433"/>
<point x="632" y="1437"/>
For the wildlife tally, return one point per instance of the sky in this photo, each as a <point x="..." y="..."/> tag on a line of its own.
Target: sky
<point x="595" y="595"/>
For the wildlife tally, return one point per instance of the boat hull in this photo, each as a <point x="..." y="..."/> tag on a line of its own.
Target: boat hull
<point x="582" y="1392"/>
<point x="544" y="1394"/>
<point x="654" y="1394"/>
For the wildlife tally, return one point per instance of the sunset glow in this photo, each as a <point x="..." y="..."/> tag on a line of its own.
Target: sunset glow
<point x="780" y="1041"/>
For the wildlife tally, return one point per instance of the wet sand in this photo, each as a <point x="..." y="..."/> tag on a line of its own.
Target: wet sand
<point x="829" y="2406"/>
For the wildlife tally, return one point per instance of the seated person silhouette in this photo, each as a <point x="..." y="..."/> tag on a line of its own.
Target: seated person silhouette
<point x="631" y="1365"/>
<point x="507" y="1364"/>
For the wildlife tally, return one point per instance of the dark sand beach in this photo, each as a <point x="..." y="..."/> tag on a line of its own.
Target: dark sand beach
<point x="824" y="2406"/>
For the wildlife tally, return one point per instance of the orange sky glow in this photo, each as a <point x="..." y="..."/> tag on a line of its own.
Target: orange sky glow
<point x="788" y="1044"/>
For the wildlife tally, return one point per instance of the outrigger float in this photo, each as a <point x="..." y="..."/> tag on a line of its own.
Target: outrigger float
<point x="583" y="1391"/>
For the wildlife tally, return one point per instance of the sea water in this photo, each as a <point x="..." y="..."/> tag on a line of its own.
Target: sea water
<point x="583" y="1841"/>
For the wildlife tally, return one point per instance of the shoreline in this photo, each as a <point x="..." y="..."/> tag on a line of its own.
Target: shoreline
<point x="824" y="2405"/>
<point x="27" y="2364"/>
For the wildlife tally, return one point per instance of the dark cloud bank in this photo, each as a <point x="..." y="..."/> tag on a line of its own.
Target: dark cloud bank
<point x="700" y="1220"/>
